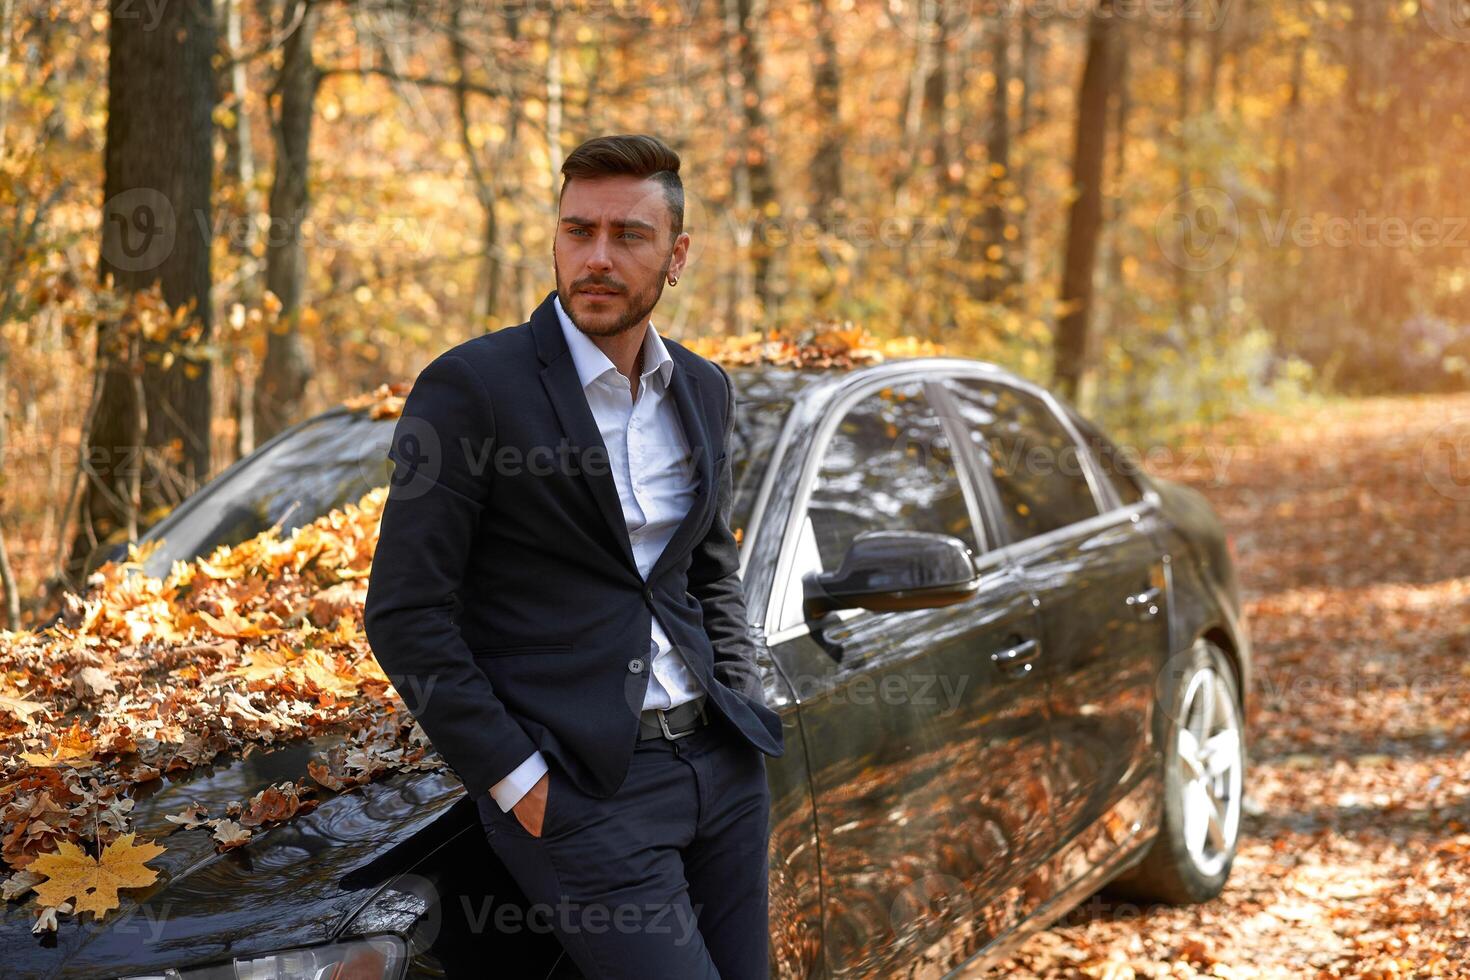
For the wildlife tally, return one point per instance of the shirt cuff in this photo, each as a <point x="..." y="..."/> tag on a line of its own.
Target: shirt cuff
<point x="508" y="792"/>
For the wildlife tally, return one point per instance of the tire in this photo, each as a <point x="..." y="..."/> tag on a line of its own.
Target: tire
<point x="1191" y="857"/>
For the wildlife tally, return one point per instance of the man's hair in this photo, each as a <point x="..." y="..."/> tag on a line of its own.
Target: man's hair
<point x="646" y="157"/>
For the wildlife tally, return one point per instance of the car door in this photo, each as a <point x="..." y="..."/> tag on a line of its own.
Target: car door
<point x="928" y="758"/>
<point x="1098" y="578"/>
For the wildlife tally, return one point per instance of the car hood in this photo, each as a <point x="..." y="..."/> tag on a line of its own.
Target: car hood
<point x="293" y="885"/>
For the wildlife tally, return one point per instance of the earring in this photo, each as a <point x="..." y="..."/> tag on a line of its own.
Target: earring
<point x="673" y="280"/>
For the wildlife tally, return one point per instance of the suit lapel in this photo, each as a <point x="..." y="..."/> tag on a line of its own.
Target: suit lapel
<point x="588" y="453"/>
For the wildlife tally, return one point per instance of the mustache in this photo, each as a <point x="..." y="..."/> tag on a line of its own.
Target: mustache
<point x="586" y="284"/>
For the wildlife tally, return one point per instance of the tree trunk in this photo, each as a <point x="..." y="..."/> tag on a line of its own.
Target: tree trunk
<point x="755" y="165"/>
<point x="1030" y="114"/>
<point x="1084" y="219"/>
<point x="287" y="368"/>
<point x="1183" y="85"/>
<point x="826" y="167"/>
<point x="156" y="219"/>
<point x="7" y="574"/>
<point x="998" y="266"/>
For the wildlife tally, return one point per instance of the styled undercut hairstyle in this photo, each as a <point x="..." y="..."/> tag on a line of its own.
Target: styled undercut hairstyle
<point x="645" y="157"/>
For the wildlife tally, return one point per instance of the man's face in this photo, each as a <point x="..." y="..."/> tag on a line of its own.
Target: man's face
<point x="612" y="252"/>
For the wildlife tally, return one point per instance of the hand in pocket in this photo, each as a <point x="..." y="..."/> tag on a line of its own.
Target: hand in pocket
<point x="530" y="810"/>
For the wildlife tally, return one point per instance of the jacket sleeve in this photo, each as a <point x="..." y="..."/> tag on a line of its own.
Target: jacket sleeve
<point x="441" y="449"/>
<point x="714" y="580"/>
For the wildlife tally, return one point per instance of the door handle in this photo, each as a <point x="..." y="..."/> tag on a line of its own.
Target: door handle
<point x="1146" y="601"/>
<point x="1017" y="658"/>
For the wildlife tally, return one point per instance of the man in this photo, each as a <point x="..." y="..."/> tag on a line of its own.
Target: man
<point x="555" y="595"/>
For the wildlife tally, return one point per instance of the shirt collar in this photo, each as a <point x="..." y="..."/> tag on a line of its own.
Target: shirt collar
<point x="592" y="363"/>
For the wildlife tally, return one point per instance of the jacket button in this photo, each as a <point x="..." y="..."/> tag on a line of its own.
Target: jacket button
<point x="648" y="593"/>
<point x="635" y="666"/>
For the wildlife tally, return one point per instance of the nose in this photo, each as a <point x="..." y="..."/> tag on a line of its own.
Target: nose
<point x="598" y="259"/>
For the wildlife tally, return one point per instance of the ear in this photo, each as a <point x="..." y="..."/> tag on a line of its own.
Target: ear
<point x="680" y="256"/>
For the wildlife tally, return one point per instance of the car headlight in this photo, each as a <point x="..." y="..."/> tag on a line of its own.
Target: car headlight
<point x="371" y="958"/>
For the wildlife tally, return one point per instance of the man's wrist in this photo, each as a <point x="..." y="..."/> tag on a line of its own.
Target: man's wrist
<point x="509" y="791"/>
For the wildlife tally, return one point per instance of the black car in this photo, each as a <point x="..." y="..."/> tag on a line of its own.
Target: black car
<point x="1011" y="666"/>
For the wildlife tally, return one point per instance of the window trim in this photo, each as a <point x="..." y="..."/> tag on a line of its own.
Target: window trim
<point x="1102" y="492"/>
<point x="1139" y="482"/>
<point x="1111" y="509"/>
<point x="835" y="410"/>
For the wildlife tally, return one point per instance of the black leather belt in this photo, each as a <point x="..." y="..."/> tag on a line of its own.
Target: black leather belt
<point x="675" y="722"/>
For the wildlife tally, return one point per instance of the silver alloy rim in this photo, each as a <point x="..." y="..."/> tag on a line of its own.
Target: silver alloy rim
<point x="1210" y="762"/>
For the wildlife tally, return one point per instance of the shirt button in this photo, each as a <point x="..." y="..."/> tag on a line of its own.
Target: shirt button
<point x="635" y="666"/>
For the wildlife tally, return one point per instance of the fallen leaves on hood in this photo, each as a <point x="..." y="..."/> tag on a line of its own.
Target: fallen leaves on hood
<point x="253" y="645"/>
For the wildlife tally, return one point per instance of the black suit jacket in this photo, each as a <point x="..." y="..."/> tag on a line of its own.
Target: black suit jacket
<point x="505" y="604"/>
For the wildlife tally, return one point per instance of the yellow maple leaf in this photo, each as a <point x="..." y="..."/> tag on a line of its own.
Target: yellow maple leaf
<point x="94" y="882"/>
<point x="321" y="669"/>
<point x="263" y="664"/>
<point x="234" y="626"/>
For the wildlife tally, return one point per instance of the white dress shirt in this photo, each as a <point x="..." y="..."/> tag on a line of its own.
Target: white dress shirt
<point x="651" y="466"/>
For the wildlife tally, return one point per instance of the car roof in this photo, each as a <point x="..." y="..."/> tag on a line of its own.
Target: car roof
<point x="819" y="385"/>
<point x="810" y="383"/>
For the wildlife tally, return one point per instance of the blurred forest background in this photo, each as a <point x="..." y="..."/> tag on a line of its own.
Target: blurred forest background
<point x="220" y="216"/>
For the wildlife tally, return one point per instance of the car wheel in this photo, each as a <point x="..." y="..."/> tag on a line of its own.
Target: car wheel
<point x="1204" y="756"/>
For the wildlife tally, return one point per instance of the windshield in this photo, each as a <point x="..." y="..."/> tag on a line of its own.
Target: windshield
<point x="335" y="458"/>
<point x="329" y="461"/>
<point x="763" y="399"/>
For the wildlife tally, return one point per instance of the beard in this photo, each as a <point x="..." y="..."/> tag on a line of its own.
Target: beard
<point x="639" y="303"/>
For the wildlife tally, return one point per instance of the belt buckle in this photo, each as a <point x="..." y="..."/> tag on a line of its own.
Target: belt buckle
<point x="664" y="724"/>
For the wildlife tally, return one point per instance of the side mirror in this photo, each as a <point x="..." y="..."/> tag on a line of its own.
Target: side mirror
<point x="890" y="571"/>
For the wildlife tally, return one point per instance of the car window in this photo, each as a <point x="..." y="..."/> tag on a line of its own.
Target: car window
<point x="1123" y="470"/>
<point x="887" y="466"/>
<point x="1034" y="462"/>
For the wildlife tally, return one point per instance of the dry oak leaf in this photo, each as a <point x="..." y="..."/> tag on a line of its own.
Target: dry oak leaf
<point x="19" y="707"/>
<point x="19" y="883"/>
<point x="46" y="919"/>
<point x="194" y="815"/>
<point x="91" y="683"/>
<point x="275" y="804"/>
<point x="94" y="882"/>
<point x="230" y="834"/>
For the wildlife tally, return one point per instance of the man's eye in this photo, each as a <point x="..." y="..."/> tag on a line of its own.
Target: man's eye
<point x="633" y="233"/>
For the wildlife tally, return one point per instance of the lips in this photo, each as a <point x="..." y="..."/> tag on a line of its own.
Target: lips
<point x="600" y="292"/>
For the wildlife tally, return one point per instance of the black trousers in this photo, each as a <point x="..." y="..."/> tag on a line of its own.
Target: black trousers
<point x="666" y="878"/>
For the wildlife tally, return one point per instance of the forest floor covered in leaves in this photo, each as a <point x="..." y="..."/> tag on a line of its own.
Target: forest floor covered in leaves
<point x="1352" y="525"/>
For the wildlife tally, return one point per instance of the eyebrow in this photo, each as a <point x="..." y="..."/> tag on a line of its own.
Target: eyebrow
<point x="616" y="223"/>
